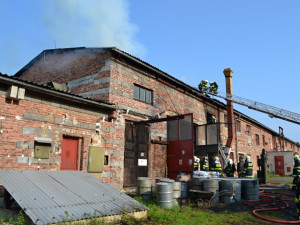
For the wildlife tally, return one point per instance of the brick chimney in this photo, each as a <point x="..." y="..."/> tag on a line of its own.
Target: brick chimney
<point x="230" y="116"/>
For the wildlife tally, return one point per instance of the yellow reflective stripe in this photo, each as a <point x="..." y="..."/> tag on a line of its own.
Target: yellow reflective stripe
<point x="296" y="200"/>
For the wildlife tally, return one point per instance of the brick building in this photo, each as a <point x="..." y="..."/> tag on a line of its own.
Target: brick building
<point x="164" y="121"/>
<point x="47" y="129"/>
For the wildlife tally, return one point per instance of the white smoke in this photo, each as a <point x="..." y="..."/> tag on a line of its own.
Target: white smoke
<point x="92" y="23"/>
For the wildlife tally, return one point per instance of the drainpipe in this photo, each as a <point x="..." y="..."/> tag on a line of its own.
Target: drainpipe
<point x="228" y="76"/>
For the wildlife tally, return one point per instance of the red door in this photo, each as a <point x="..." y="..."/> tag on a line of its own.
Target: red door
<point x="180" y="146"/>
<point x="279" y="165"/>
<point x="69" y="151"/>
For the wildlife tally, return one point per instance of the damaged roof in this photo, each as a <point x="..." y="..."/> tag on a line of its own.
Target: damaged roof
<point x="46" y="89"/>
<point x="54" y="196"/>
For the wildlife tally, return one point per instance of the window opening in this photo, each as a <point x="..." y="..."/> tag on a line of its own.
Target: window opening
<point x="257" y="139"/>
<point x="142" y="94"/>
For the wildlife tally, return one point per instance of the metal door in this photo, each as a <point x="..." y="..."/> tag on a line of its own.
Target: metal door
<point x="279" y="165"/>
<point x="137" y="142"/>
<point x="180" y="146"/>
<point x="69" y="153"/>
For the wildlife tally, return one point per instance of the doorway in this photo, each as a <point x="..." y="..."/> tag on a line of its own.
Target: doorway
<point x="69" y="153"/>
<point x="136" y="159"/>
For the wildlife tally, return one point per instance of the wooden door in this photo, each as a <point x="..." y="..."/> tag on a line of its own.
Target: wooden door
<point x="279" y="165"/>
<point x="136" y="153"/>
<point x="69" y="153"/>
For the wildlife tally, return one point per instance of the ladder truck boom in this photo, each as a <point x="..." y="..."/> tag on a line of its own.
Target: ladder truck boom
<point x="270" y="110"/>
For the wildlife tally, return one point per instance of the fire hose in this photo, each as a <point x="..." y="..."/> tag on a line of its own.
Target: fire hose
<point x="273" y="203"/>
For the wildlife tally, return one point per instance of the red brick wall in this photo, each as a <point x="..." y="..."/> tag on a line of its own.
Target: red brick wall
<point x="40" y="116"/>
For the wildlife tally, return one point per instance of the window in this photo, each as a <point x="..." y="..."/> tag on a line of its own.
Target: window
<point x="263" y="140"/>
<point x="238" y="126"/>
<point x="142" y="94"/>
<point x="248" y="129"/>
<point x="226" y="120"/>
<point x="257" y="139"/>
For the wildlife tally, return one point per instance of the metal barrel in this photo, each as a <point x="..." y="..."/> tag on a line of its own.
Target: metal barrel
<point x="176" y="193"/>
<point x="167" y="180"/>
<point x="212" y="185"/>
<point x="198" y="183"/>
<point x="184" y="189"/>
<point x="250" y="189"/>
<point x="145" y="188"/>
<point x="227" y="189"/>
<point x="238" y="189"/>
<point x="164" y="194"/>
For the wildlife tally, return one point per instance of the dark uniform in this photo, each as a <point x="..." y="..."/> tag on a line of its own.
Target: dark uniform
<point x="204" y="165"/>
<point x="230" y="169"/>
<point x="297" y="200"/>
<point x="216" y="166"/>
<point x="240" y="167"/>
<point x="248" y="168"/>
<point x="296" y="171"/>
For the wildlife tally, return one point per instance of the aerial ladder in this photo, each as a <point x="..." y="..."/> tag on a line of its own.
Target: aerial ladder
<point x="258" y="106"/>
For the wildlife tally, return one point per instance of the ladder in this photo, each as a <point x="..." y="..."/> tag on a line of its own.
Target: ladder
<point x="270" y="110"/>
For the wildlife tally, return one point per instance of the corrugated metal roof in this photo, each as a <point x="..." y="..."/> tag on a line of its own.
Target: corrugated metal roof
<point x="46" y="196"/>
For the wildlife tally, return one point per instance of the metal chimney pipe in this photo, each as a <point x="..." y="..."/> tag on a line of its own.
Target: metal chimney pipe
<point x="230" y="117"/>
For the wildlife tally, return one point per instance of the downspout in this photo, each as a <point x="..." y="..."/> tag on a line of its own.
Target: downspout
<point x="230" y="118"/>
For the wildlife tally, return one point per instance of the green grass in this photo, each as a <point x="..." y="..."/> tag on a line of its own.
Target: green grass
<point x="172" y="216"/>
<point x="192" y="216"/>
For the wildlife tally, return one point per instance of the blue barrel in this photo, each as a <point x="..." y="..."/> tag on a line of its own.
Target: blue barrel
<point x="184" y="189"/>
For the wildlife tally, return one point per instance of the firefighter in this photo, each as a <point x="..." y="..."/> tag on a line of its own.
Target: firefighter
<point x="196" y="163"/>
<point x="216" y="166"/>
<point x="240" y="166"/>
<point x="230" y="168"/>
<point x="203" y="86"/>
<point x="297" y="200"/>
<point x="213" y="88"/>
<point x="248" y="167"/>
<point x="296" y="171"/>
<point x="204" y="164"/>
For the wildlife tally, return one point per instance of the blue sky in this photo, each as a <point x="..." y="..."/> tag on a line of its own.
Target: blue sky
<point x="192" y="41"/>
